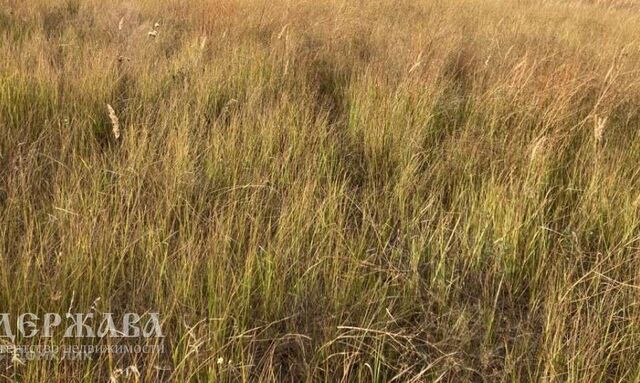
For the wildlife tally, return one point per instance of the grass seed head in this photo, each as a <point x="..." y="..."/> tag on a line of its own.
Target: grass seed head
<point x="598" y="128"/>
<point x="115" y="123"/>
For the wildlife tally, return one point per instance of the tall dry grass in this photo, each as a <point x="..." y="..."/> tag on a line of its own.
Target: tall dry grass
<point x="327" y="190"/>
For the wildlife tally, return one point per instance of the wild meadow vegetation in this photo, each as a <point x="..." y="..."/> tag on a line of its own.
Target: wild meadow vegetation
<point x="326" y="191"/>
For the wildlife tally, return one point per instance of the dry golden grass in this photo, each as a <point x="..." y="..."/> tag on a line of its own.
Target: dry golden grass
<point x="331" y="191"/>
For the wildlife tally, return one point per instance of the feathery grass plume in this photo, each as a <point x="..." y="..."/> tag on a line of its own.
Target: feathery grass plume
<point x="598" y="128"/>
<point x="115" y="123"/>
<point x="121" y="23"/>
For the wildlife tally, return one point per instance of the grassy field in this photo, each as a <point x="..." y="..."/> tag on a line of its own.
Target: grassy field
<point x="325" y="191"/>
